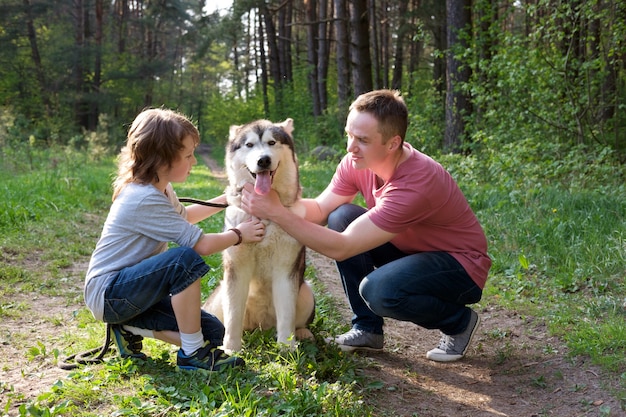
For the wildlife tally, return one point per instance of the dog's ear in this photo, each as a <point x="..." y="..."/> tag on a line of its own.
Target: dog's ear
<point x="232" y="132"/>
<point x="287" y="125"/>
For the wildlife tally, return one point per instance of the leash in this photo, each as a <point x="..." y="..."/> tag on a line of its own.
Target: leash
<point x="87" y="357"/>
<point x="201" y="202"/>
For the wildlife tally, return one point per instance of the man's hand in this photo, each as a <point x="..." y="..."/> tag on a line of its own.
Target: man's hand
<point x="261" y="206"/>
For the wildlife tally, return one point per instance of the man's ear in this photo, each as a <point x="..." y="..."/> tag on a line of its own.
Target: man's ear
<point x="393" y="143"/>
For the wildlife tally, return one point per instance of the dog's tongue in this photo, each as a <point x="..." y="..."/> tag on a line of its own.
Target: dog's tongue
<point x="263" y="182"/>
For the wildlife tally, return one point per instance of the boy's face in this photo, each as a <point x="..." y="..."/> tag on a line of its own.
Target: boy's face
<point x="364" y="142"/>
<point x="181" y="168"/>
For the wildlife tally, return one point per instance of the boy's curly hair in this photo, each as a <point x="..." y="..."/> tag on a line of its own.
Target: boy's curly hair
<point x="154" y="140"/>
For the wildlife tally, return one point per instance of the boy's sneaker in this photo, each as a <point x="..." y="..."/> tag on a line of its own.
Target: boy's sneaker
<point x="207" y="357"/>
<point x="453" y="348"/>
<point x="129" y="345"/>
<point x="357" y="339"/>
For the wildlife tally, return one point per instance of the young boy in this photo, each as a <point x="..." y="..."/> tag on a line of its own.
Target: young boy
<point x="134" y="282"/>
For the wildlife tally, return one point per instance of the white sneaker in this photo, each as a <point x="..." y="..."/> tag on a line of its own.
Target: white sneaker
<point x="453" y="348"/>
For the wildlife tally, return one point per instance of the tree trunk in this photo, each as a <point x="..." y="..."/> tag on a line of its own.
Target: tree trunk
<point x="121" y="14"/>
<point x="438" y="28"/>
<point x="341" y="54"/>
<point x="361" y="62"/>
<point x="94" y="111"/>
<point x="275" y="58"/>
<point x="263" y="65"/>
<point x="458" y="106"/>
<point x="81" y="105"/>
<point x="34" y="51"/>
<point x="415" y="53"/>
<point x="403" y="29"/>
<point x="322" y="54"/>
<point x="386" y="35"/>
<point x="311" y="31"/>
<point x="249" y="50"/>
<point x="285" y="15"/>
<point x="376" y="40"/>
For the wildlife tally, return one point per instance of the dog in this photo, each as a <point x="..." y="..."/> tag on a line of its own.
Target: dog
<point x="263" y="284"/>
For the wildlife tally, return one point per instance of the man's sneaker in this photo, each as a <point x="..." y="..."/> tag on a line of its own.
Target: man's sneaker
<point x="357" y="339"/>
<point x="129" y="345"/>
<point x="453" y="348"/>
<point x="207" y="357"/>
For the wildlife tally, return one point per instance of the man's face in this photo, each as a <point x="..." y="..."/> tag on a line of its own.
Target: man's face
<point x="364" y="142"/>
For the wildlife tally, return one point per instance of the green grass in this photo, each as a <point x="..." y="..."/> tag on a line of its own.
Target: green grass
<point x="557" y="234"/>
<point x="555" y="219"/>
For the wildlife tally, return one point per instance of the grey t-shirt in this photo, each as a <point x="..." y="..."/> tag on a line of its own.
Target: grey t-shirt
<point x="141" y="222"/>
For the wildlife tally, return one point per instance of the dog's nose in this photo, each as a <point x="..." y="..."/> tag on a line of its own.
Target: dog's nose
<point x="264" y="162"/>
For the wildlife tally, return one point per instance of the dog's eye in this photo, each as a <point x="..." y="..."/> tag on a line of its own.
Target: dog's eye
<point x="271" y="142"/>
<point x="249" y="145"/>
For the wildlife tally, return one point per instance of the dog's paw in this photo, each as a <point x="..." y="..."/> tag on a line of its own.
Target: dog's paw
<point x="231" y="346"/>
<point x="287" y="345"/>
<point x="304" y="334"/>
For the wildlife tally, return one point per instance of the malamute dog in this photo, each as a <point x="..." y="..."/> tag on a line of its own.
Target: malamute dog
<point x="263" y="285"/>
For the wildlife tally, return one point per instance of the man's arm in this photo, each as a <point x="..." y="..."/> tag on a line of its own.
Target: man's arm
<point x="318" y="209"/>
<point x="359" y="237"/>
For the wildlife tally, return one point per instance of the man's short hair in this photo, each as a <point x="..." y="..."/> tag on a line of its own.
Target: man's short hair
<point x="388" y="108"/>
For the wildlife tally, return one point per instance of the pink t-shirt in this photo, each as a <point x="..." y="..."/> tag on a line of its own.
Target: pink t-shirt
<point x="425" y="207"/>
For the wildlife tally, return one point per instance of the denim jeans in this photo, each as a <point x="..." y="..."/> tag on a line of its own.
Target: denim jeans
<point x="140" y="295"/>
<point x="430" y="289"/>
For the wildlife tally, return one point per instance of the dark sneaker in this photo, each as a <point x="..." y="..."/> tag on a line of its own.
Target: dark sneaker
<point x="357" y="339"/>
<point x="453" y="348"/>
<point x="207" y="357"/>
<point x="129" y="345"/>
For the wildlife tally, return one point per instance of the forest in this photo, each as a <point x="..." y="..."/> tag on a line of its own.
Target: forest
<point x="475" y="73"/>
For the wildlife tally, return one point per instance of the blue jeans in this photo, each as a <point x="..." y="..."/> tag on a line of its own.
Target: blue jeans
<point x="430" y="289"/>
<point x="140" y="295"/>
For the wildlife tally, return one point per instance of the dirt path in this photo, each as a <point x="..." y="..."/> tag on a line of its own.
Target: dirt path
<point x="514" y="368"/>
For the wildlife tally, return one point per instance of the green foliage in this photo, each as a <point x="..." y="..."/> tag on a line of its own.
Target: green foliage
<point x="228" y="109"/>
<point x="426" y="124"/>
<point x="555" y="82"/>
<point x="555" y="218"/>
<point x="542" y="70"/>
<point x="224" y="111"/>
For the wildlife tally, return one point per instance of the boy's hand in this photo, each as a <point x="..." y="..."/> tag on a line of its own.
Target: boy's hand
<point x="252" y="230"/>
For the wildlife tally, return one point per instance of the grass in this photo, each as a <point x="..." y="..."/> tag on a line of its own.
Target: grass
<point x="557" y="240"/>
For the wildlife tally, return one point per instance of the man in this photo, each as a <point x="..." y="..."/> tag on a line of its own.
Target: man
<point x="417" y="253"/>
